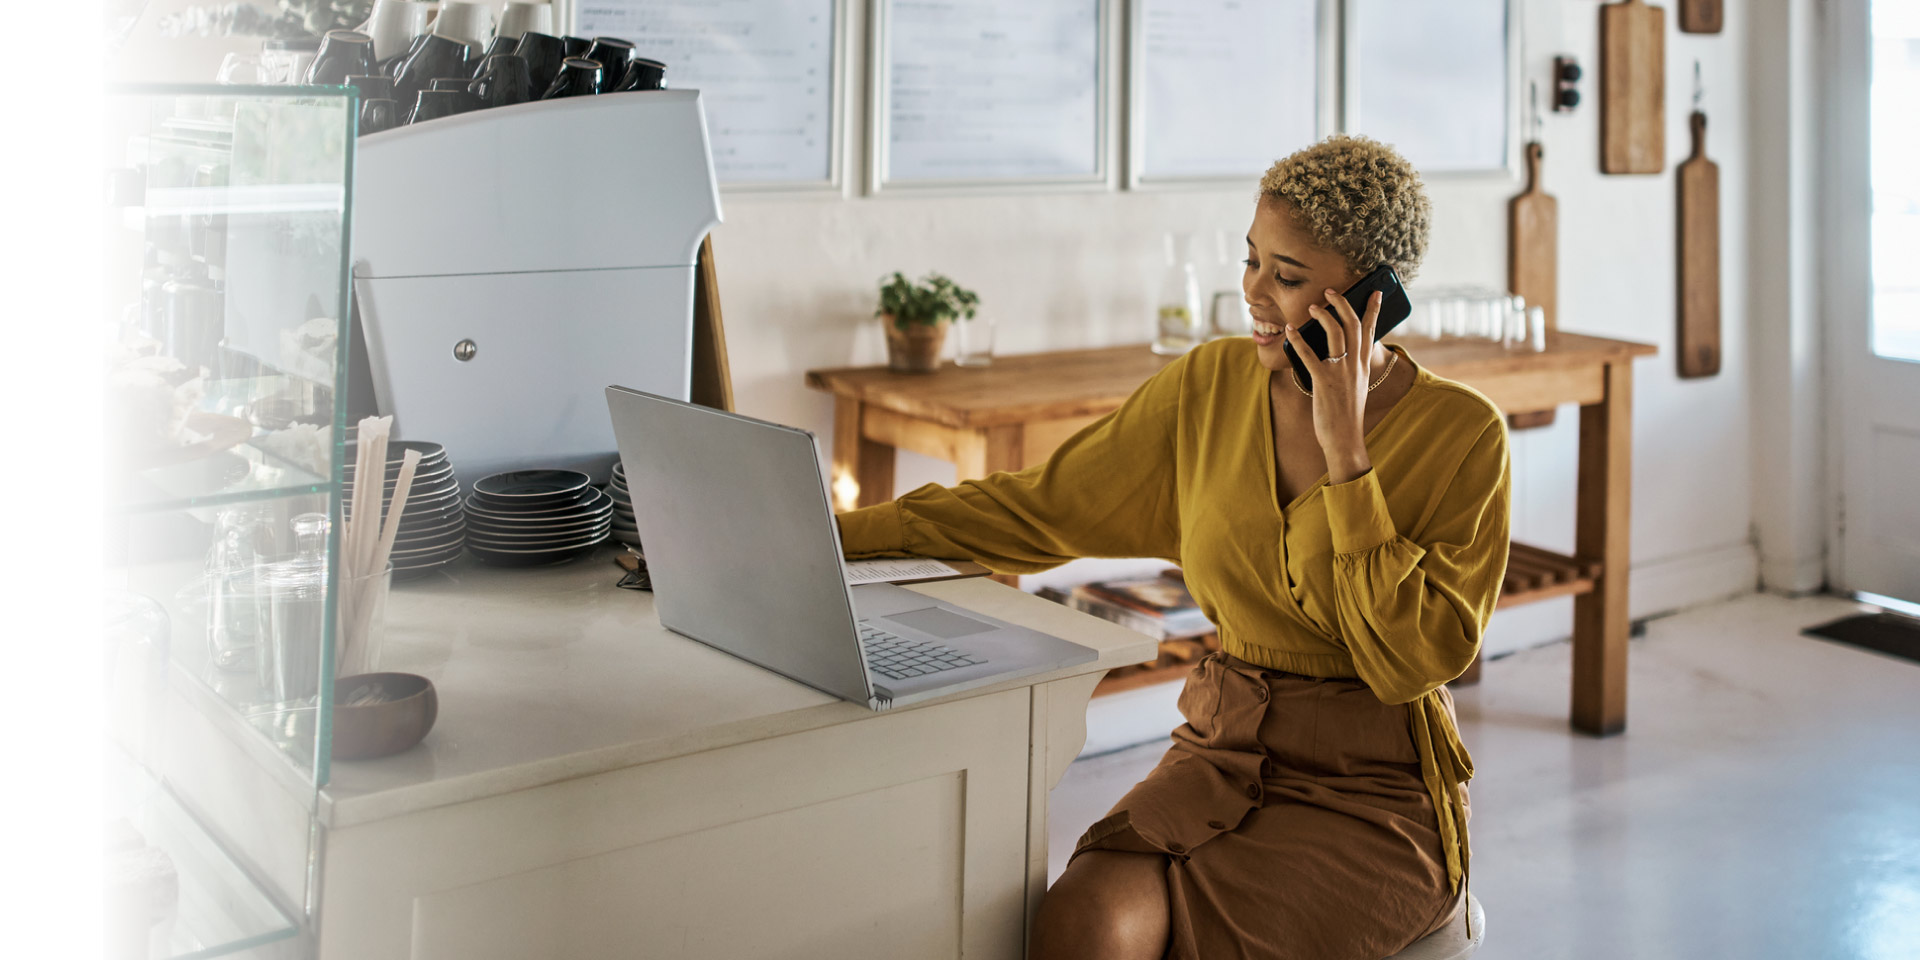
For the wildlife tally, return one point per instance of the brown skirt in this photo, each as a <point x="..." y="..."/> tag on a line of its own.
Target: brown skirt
<point x="1293" y="819"/>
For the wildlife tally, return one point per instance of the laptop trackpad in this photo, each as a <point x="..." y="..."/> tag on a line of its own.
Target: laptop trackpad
<point x="944" y="624"/>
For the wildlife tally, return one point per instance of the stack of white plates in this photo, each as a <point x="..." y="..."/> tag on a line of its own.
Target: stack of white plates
<point x="526" y="517"/>
<point x="433" y="529"/>
<point x="625" y="529"/>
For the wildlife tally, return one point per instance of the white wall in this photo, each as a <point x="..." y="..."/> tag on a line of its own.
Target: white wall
<point x="1071" y="270"/>
<point x="1064" y="270"/>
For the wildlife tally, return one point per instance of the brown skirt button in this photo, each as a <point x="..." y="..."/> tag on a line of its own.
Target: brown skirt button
<point x="1176" y="848"/>
<point x="1260" y="693"/>
<point x="1216" y="824"/>
<point x="1253" y="791"/>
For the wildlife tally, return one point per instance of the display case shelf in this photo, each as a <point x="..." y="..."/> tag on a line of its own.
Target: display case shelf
<point x="201" y="903"/>
<point x="235" y="475"/>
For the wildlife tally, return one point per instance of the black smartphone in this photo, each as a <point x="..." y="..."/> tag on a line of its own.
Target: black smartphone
<point x="1394" y="307"/>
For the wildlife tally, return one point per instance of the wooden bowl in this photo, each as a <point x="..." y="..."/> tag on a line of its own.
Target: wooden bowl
<point x="385" y="728"/>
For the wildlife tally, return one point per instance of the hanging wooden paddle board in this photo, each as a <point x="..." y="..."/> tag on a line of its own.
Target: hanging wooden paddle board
<point x="1699" y="247"/>
<point x="1632" y="88"/>
<point x="1533" y="229"/>
<point x="1702" y="16"/>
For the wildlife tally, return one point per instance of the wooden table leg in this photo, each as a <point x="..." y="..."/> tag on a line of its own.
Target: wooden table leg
<point x="862" y="469"/>
<point x="1600" y="532"/>
<point x="1471" y="675"/>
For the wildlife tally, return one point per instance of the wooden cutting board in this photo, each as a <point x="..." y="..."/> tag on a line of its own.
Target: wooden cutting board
<point x="1699" y="250"/>
<point x="1632" y="88"/>
<point x="1533" y="230"/>
<point x="1702" y="16"/>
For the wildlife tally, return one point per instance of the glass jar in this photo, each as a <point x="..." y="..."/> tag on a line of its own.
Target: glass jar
<point x="1179" y="324"/>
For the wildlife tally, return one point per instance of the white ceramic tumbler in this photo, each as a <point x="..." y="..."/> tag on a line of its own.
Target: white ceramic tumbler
<point x="393" y="26"/>
<point x="520" y="16"/>
<point x="465" y="21"/>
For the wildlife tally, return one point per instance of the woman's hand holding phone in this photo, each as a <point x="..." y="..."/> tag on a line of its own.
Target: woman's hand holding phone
<point x="1340" y="382"/>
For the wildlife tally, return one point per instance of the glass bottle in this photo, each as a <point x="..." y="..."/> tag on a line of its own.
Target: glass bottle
<point x="242" y="541"/>
<point x="1180" y="322"/>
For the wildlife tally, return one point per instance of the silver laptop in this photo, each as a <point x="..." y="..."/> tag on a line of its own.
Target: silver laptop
<point x="745" y="556"/>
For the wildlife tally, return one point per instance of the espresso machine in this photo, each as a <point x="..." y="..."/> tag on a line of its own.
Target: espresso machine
<point x="511" y="263"/>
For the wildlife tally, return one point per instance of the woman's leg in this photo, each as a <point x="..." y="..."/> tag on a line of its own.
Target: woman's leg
<point x="1109" y="904"/>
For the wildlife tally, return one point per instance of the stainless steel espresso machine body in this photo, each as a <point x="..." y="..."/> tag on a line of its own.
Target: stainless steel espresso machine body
<point x="511" y="263"/>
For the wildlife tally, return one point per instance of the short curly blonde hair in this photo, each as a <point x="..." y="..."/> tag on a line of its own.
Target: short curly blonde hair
<point x="1358" y="198"/>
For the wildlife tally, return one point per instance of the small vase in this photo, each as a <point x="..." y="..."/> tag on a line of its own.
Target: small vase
<point x="915" y="349"/>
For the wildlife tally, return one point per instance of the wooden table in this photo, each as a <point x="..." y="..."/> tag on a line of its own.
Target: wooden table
<point x="1015" y="412"/>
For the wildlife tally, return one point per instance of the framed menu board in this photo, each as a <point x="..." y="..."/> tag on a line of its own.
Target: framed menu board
<point x="1438" y="81"/>
<point x="1220" y="89"/>
<point x="770" y="74"/>
<point x="990" y="93"/>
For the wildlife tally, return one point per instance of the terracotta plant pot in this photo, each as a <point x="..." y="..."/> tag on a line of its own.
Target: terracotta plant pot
<point x="915" y="349"/>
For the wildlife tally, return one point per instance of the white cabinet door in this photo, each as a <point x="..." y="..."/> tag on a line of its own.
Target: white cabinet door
<point x="904" y="835"/>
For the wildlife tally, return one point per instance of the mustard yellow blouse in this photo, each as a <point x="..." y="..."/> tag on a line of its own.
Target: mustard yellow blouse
<point x="1388" y="578"/>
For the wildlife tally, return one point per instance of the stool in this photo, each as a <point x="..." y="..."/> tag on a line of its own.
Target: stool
<point x="1450" y="942"/>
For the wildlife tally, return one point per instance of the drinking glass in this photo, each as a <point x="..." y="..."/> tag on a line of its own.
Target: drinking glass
<point x="973" y="341"/>
<point x="1230" y="316"/>
<point x="1513" y="326"/>
<point x="292" y="606"/>
<point x="241" y="68"/>
<point x="1453" y="317"/>
<point x="361" y="624"/>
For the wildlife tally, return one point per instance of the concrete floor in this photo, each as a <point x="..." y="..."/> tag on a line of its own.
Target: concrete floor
<point x="1764" y="801"/>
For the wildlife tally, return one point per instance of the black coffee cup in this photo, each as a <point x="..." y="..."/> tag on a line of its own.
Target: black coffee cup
<point x="434" y="104"/>
<point x="378" y="114"/>
<point x="613" y="55"/>
<point x="458" y="85"/>
<point x="373" y="87"/>
<point x="643" y="74"/>
<point x="544" y="53"/>
<point x="579" y="77"/>
<point x="577" y="46"/>
<point x="503" y="81"/>
<point x="498" y="46"/>
<point x="342" y="54"/>
<point x="434" y="58"/>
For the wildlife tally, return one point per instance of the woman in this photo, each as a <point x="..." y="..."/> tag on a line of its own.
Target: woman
<point x="1348" y="541"/>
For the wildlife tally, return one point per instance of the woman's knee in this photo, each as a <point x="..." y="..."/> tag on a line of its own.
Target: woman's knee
<point x="1108" y="904"/>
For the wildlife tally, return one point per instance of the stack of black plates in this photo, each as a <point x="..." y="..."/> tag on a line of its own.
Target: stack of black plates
<point x="625" y="529"/>
<point x="526" y="517"/>
<point x="433" y="528"/>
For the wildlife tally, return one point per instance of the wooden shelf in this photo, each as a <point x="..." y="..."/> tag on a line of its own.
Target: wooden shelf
<point x="1534" y="574"/>
<point x="1177" y="658"/>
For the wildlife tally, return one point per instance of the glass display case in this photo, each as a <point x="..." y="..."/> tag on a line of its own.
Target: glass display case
<point x="225" y="346"/>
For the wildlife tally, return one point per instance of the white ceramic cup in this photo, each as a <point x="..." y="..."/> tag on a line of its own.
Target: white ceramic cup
<point x="520" y="16"/>
<point x="393" y="26"/>
<point x="468" y="22"/>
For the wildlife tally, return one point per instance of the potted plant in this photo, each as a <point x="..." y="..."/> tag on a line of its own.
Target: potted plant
<point x="916" y="317"/>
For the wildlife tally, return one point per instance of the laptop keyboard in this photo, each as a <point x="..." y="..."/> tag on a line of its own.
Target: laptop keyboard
<point x="898" y="658"/>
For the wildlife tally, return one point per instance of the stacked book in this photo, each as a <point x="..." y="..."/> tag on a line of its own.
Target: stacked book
<point x="1159" y="607"/>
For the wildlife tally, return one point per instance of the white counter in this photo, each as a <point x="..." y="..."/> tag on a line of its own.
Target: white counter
<point x="555" y="686"/>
